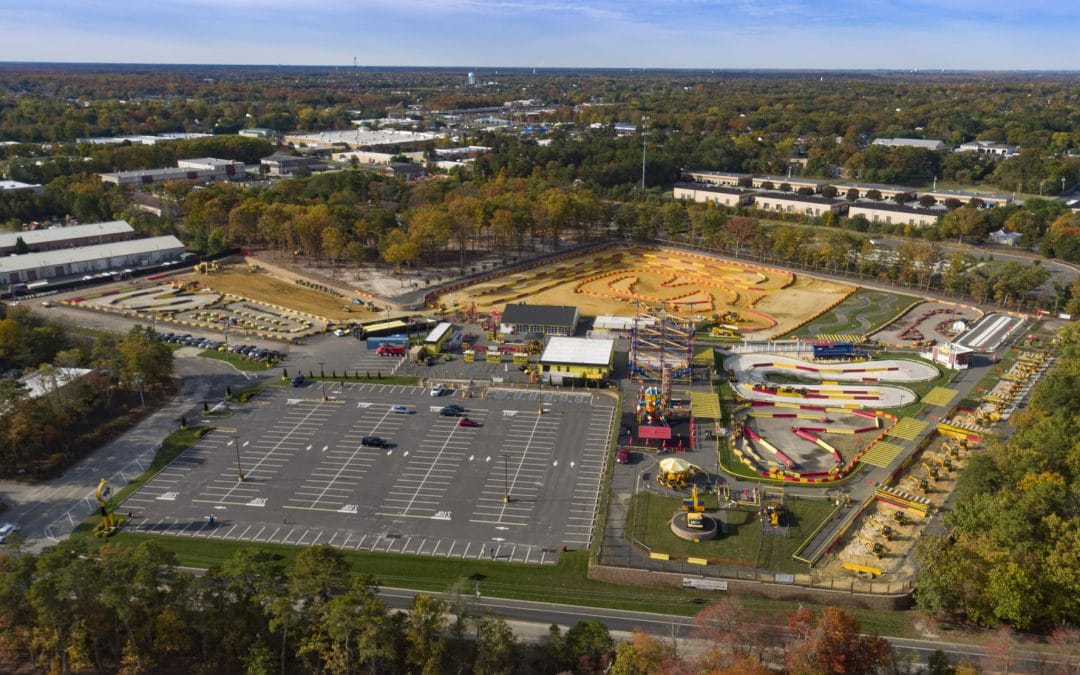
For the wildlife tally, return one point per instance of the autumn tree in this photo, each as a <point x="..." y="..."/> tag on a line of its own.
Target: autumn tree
<point x="830" y="642"/>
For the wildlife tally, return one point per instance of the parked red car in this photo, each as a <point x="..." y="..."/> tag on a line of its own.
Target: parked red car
<point x="466" y="422"/>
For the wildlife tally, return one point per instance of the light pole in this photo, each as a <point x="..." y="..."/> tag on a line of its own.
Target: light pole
<point x="506" y="482"/>
<point x="644" y="119"/>
<point x="138" y="381"/>
<point x="477" y="611"/>
<point x="239" y="469"/>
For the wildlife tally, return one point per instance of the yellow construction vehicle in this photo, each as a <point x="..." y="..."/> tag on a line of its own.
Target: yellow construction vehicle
<point x="899" y="517"/>
<point x="883" y="529"/>
<point x="695" y="521"/>
<point x="920" y="484"/>
<point x="693" y="504"/>
<point x="107" y="507"/>
<point x="875" y="548"/>
<point x="773" y="511"/>
<point x="944" y="462"/>
<point x="931" y="471"/>
<point x="207" y="267"/>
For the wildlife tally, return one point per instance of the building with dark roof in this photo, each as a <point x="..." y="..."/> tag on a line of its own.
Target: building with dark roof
<point x="787" y="202"/>
<point x="280" y="164"/>
<point x="544" y="319"/>
<point x="717" y="194"/>
<point x="895" y="214"/>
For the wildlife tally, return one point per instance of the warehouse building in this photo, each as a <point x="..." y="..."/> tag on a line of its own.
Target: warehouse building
<point x="17" y="186"/>
<point x="200" y="170"/>
<point x="73" y="262"/>
<point x="280" y="164"/>
<point x="576" y="361"/>
<point x="55" y="238"/>
<point x="543" y="319"/>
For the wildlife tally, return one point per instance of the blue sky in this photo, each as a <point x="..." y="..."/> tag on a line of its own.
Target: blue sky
<point x="925" y="34"/>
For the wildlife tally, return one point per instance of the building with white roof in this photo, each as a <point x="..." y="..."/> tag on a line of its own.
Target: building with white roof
<point x="989" y="149"/>
<point x="924" y="143"/>
<point x="360" y="138"/>
<point x="70" y="262"/>
<point x="569" y="360"/>
<point x="720" y="195"/>
<point x="53" y="238"/>
<point x="17" y="186"/>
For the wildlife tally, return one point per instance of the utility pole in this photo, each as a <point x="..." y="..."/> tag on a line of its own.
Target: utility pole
<point x="139" y="381"/>
<point x="478" y="611"/>
<point x="644" y="119"/>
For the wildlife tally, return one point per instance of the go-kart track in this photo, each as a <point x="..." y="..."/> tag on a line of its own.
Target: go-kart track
<point x="752" y="373"/>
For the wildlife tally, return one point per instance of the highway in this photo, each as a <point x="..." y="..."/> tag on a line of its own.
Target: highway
<point x="530" y="621"/>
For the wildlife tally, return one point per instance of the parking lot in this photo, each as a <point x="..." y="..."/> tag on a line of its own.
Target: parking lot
<point x="518" y="487"/>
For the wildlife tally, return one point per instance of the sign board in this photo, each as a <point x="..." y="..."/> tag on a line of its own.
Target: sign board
<point x="785" y="578"/>
<point x="705" y="584"/>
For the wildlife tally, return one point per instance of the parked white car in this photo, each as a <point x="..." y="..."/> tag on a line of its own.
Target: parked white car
<point x="6" y="530"/>
<point x="437" y="390"/>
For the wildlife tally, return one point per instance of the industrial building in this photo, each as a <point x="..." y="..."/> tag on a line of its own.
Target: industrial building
<point x="279" y="164"/>
<point x="353" y="139"/>
<point x="142" y="139"/>
<point x="717" y="194"/>
<point x="925" y="144"/>
<point x="55" y="238"/>
<point x="576" y="361"/>
<point x="543" y="319"/>
<point x="17" y="186"/>
<point x="201" y="170"/>
<point x="990" y="149"/>
<point x="72" y="262"/>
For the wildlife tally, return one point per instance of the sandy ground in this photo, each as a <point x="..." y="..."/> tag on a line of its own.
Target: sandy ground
<point x="748" y="373"/>
<point x="695" y="286"/>
<point x="898" y="562"/>
<point x="928" y="326"/>
<point x="263" y="287"/>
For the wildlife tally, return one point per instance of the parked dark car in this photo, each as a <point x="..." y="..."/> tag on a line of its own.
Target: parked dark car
<point x="373" y="442"/>
<point x="298" y="380"/>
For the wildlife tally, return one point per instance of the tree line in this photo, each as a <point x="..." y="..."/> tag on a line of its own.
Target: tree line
<point x="1010" y="554"/>
<point x="129" y="609"/>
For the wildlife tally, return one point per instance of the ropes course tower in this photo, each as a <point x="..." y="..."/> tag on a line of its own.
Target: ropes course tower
<point x="662" y="350"/>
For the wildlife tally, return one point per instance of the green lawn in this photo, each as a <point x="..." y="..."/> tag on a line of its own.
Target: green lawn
<point x="236" y="360"/>
<point x="649" y="517"/>
<point x="882" y="308"/>
<point x="565" y="582"/>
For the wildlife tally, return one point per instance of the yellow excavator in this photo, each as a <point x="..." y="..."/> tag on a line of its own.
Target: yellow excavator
<point x="876" y="548"/>
<point x="107" y="507"/>
<point x="883" y="529"/>
<point x="773" y="511"/>
<point x="931" y="471"/>
<point x="920" y="484"/>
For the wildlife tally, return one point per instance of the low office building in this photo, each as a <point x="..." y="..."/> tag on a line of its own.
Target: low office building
<point x="786" y="202"/>
<point x="73" y="262"/>
<point x="17" y="186"/>
<point x="543" y="319"/>
<point x="924" y="143"/>
<point x="777" y="183"/>
<point x="990" y="149"/>
<point x="717" y="194"/>
<point x="55" y="238"/>
<point x="279" y="164"/>
<point x="861" y="190"/>
<point x="718" y="178"/>
<point x="894" y="214"/>
<point x="576" y="361"/>
<point x="363" y="157"/>
<point x="987" y="198"/>
<point x="404" y="170"/>
<point x="200" y="170"/>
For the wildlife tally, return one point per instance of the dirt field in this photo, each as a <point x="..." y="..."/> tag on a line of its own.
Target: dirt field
<point x="897" y="563"/>
<point x="769" y="302"/>
<point x="262" y="287"/>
